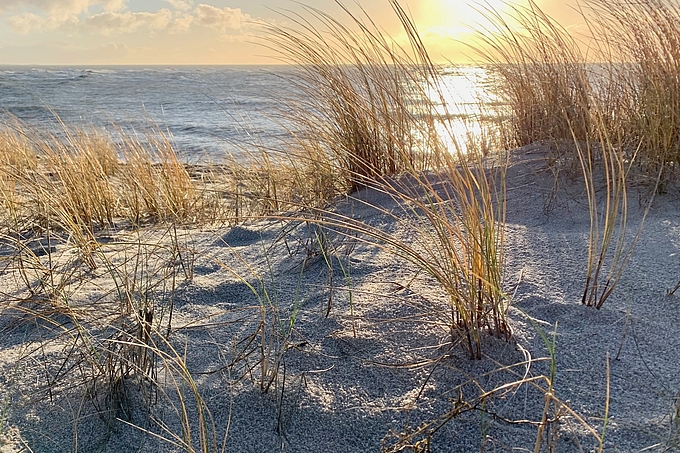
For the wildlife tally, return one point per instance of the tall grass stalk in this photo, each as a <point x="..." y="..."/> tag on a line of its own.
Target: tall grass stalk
<point x="610" y="245"/>
<point x="369" y="107"/>
<point x="612" y="219"/>
<point x="644" y="39"/>
<point x="550" y="391"/>
<point x="360" y="99"/>
<point x="542" y="72"/>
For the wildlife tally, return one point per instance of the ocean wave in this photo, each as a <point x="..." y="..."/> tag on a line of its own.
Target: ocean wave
<point x="203" y="107"/>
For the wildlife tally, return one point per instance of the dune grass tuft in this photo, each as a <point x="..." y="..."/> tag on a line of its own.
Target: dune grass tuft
<point x="360" y="100"/>
<point x="643" y="39"/>
<point x="370" y="108"/>
<point x="542" y="73"/>
<point x="607" y="109"/>
<point x="368" y="117"/>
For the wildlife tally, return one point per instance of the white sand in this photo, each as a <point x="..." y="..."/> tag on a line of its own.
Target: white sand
<point x="337" y="392"/>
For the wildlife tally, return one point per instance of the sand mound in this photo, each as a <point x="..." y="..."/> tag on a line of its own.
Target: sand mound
<point x="357" y="347"/>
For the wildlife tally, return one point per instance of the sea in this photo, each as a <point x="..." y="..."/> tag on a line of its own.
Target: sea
<point x="208" y="112"/>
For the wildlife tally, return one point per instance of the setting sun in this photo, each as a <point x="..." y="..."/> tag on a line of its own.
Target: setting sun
<point x="460" y="17"/>
<point x="449" y="26"/>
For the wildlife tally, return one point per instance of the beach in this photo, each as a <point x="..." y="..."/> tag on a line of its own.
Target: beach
<point x="359" y="357"/>
<point x="364" y="251"/>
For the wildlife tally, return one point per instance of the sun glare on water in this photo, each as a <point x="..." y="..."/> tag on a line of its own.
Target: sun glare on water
<point x="464" y="98"/>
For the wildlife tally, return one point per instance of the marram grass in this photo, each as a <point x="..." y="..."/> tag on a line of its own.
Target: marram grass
<point x="369" y="123"/>
<point x="370" y="109"/>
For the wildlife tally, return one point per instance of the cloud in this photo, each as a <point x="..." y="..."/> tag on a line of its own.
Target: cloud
<point x="47" y="15"/>
<point x="180" y="5"/>
<point x="109" y="23"/>
<point x="26" y="22"/>
<point x="114" y="18"/>
<point x="181" y="24"/>
<point x="222" y="19"/>
<point x="59" y="8"/>
<point x="51" y="14"/>
<point x="113" y="5"/>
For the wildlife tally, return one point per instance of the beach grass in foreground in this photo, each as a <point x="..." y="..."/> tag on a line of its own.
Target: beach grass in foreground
<point x="122" y="266"/>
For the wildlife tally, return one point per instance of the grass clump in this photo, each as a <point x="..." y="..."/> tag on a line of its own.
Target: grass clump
<point x="542" y="73"/>
<point x="619" y="79"/>
<point x="370" y="109"/>
<point x="83" y="178"/>
<point x="360" y="100"/>
<point x="603" y="119"/>
<point x="109" y="346"/>
<point x="156" y="184"/>
<point x="86" y="181"/>
<point x="645" y="38"/>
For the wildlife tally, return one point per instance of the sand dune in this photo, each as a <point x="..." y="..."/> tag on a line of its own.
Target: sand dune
<point x="359" y="350"/>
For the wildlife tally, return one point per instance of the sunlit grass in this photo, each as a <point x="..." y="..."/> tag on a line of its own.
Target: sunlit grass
<point x="371" y="116"/>
<point x="375" y="110"/>
<point x="607" y="116"/>
<point x="359" y="100"/>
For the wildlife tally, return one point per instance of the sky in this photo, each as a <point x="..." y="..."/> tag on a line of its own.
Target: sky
<point x="173" y="32"/>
